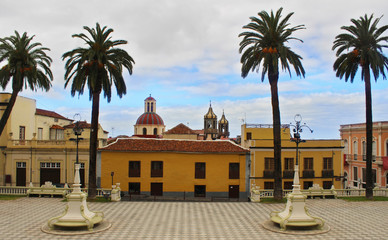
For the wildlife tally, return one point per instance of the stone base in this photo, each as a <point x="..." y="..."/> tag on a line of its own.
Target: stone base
<point x="68" y="231"/>
<point x="274" y="227"/>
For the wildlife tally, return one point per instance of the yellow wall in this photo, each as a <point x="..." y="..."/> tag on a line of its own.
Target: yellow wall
<point x="178" y="170"/>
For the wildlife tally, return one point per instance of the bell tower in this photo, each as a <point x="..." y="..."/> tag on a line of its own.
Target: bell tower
<point x="223" y="127"/>
<point x="210" y="124"/>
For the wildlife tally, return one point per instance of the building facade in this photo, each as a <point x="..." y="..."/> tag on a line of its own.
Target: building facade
<point x="354" y="137"/>
<point x="320" y="161"/>
<point x="36" y="146"/>
<point x="166" y="167"/>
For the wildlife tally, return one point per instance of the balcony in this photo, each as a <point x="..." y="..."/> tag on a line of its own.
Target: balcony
<point x="327" y="173"/>
<point x="288" y="174"/>
<point x="268" y="174"/>
<point x="355" y="157"/>
<point x="308" y="173"/>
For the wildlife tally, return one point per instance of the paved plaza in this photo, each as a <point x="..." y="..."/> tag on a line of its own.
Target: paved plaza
<point x="23" y="219"/>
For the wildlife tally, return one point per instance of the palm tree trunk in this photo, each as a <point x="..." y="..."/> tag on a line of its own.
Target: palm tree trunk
<point x="8" y="111"/>
<point x="92" y="188"/>
<point x="278" y="189"/>
<point x="369" y="134"/>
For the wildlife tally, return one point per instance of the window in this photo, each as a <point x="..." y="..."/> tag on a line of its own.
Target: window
<point x="307" y="184"/>
<point x="200" y="170"/>
<point x="289" y="164"/>
<point x="268" y="185"/>
<point x="200" y="191"/>
<point x="234" y="170"/>
<point x="327" y="184"/>
<point x="269" y="164"/>
<point x="22" y="133"/>
<point x="308" y="171"/>
<point x="355" y="176"/>
<point x="21" y="164"/>
<point x="155" y="131"/>
<point x="40" y="133"/>
<point x="364" y="175"/>
<point x="288" y="185"/>
<point x="144" y="131"/>
<point x="308" y="163"/>
<point x="50" y="165"/>
<point x="57" y="134"/>
<point x="364" y="149"/>
<point x="355" y="149"/>
<point x="156" y="169"/>
<point x="328" y="163"/>
<point x="134" y="188"/>
<point x="134" y="169"/>
<point x="249" y="135"/>
<point x="152" y="107"/>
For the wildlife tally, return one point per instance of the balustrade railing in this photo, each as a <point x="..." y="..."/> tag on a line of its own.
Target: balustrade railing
<point x="9" y="190"/>
<point x="383" y="192"/>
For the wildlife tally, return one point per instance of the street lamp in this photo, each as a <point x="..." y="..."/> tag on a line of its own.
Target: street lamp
<point x="295" y="213"/>
<point x="77" y="131"/>
<point x="77" y="213"/>
<point x="298" y="128"/>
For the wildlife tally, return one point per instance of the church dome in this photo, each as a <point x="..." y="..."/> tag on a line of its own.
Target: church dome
<point x="149" y="118"/>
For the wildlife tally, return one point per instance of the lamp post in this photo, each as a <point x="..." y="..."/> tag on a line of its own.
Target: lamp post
<point x="295" y="212"/>
<point x="77" y="213"/>
<point x="297" y="130"/>
<point x="77" y="132"/>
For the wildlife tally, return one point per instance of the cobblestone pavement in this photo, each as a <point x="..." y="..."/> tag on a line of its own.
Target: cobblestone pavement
<point x="24" y="217"/>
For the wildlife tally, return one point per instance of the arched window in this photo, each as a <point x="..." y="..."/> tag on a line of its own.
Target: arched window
<point x="386" y="147"/>
<point x="346" y="147"/>
<point x="355" y="149"/>
<point x="152" y="107"/>
<point x="155" y="130"/>
<point x="364" y="148"/>
<point x="144" y="131"/>
<point x="148" y="107"/>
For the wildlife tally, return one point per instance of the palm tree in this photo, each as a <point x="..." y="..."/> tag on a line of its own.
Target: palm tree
<point x="264" y="45"/>
<point x="27" y="65"/>
<point x="362" y="46"/>
<point x="96" y="66"/>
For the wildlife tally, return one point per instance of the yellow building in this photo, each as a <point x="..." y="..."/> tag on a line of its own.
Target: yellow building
<point x="166" y="167"/>
<point x="320" y="161"/>
<point x="36" y="145"/>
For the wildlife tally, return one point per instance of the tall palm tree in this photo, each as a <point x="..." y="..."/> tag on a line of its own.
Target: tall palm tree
<point x="264" y="45"/>
<point x="96" y="66"/>
<point x="362" y="45"/>
<point x="27" y="65"/>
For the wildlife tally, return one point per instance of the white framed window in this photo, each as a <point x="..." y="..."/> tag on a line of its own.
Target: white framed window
<point x="50" y="165"/>
<point x="40" y="133"/>
<point x="21" y="165"/>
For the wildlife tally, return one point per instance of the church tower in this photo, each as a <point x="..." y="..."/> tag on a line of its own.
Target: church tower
<point x="223" y="127"/>
<point x="210" y="124"/>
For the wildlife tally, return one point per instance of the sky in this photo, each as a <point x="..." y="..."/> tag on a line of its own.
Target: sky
<point x="186" y="54"/>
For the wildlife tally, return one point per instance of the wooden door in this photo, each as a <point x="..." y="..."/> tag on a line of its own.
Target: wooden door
<point x="21" y="176"/>
<point x="234" y="191"/>
<point x="156" y="189"/>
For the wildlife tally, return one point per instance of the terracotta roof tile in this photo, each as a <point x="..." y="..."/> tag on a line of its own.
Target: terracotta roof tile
<point x="180" y="129"/>
<point x="82" y="124"/>
<point x="49" y="114"/>
<point x="168" y="145"/>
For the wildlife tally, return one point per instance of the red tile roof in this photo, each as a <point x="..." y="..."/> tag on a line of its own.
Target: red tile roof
<point x="169" y="145"/>
<point x="56" y="127"/>
<point x="50" y="114"/>
<point x="82" y="124"/>
<point x="180" y="129"/>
